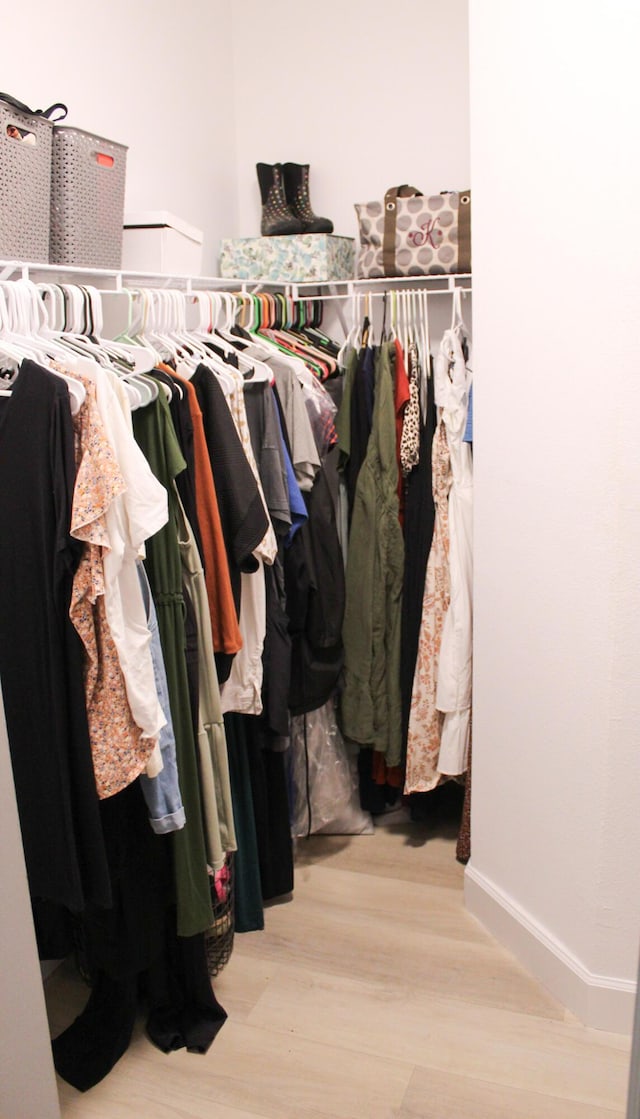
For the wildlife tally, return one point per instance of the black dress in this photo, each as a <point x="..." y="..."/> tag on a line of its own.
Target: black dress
<point x="40" y="651"/>
<point x="419" y="518"/>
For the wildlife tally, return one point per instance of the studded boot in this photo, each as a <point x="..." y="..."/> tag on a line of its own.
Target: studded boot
<point x="277" y="219"/>
<point x="296" y="186"/>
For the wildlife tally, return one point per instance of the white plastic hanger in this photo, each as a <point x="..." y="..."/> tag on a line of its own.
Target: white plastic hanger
<point x="10" y="355"/>
<point x="351" y="341"/>
<point x="163" y="327"/>
<point x="188" y="347"/>
<point x="22" y="315"/>
<point x="77" y="352"/>
<point x="224" y="307"/>
<point x="231" y="307"/>
<point x="143" y="358"/>
<point x="425" y="355"/>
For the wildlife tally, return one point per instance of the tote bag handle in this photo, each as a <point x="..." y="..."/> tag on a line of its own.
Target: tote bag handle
<point x="390" y="216"/>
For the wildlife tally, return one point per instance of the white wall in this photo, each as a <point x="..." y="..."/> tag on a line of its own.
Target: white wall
<point x="153" y="74"/>
<point x="556" y="786"/>
<point x="370" y="94"/>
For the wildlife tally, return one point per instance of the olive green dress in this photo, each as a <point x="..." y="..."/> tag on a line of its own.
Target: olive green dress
<point x="155" y="433"/>
<point x="371" y="702"/>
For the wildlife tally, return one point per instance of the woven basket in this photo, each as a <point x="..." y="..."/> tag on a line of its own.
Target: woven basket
<point x="219" y="938"/>
<point x="87" y="199"/>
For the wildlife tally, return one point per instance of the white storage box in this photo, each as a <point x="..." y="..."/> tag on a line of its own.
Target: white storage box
<point x="158" y="241"/>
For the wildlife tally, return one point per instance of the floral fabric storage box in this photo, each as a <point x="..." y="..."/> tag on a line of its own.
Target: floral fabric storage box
<point x="295" y="259"/>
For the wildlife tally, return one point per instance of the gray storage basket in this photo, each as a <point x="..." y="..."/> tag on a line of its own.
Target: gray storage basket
<point x="25" y="186"/>
<point x="87" y="199"/>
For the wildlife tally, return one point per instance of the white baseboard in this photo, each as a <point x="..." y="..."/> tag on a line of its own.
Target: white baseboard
<point x="601" y="1001"/>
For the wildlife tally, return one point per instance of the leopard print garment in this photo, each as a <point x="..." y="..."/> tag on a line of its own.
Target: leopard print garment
<point x="410" y="440"/>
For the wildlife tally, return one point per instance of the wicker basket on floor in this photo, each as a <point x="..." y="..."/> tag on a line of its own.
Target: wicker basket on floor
<point x="219" y="938"/>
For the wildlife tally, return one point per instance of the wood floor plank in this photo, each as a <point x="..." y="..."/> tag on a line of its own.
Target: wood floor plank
<point x="259" y="1073"/>
<point x="314" y="933"/>
<point x="435" y="909"/>
<point x="406" y="851"/>
<point x="443" y="1095"/>
<point x="480" y="1042"/>
<point x="118" y="1104"/>
<point x="242" y="982"/>
<point x="372" y="995"/>
<point x="278" y="1075"/>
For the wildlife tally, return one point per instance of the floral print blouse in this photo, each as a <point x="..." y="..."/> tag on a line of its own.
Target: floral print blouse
<point x="119" y="750"/>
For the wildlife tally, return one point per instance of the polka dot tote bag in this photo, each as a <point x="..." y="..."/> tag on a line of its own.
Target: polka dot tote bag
<point x="414" y="234"/>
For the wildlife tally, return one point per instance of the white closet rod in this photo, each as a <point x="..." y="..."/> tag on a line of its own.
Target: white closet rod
<point x="446" y="282"/>
<point x="375" y="294"/>
<point x="10" y="269"/>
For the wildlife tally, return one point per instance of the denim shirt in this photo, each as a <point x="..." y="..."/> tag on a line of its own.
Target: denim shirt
<point x="162" y="793"/>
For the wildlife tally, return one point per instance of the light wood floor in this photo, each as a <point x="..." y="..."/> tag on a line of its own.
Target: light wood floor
<point x="371" y="995"/>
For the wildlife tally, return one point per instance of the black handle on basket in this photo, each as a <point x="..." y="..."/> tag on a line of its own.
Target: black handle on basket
<point x="22" y="108"/>
<point x="52" y="108"/>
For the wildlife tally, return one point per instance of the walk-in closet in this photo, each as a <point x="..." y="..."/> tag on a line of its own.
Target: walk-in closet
<point x="319" y="528"/>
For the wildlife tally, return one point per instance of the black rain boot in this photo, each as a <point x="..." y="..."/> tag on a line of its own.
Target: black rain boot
<point x="296" y="185"/>
<point x="277" y="219"/>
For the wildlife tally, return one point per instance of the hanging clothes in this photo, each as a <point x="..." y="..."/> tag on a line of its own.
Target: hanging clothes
<point x="249" y="448"/>
<point x="463" y="845"/>
<point x="162" y="792"/>
<point x="249" y="913"/>
<point x="44" y="694"/>
<point x="268" y="547"/>
<point x="269" y="452"/>
<point x="412" y="420"/>
<point x="119" y="748"/>
<point x="382" y="773"/>
<point x="131" y="948"/>
<point x="416" y="448"/>
<point x="355" y="418"/>
<point x="425" y="721"/>
<point x="215" y="788"/>
<point x="185" y="433"/>
<point x="156" y="436"/>
<point x="371" y="707"/>
<point x="343" y="418"/>
<point x="242" y="513"/>
<point x="266" y="442"/>
<point x="315" y="595"/>
<point x="270" y="810"/>
<point x="223" y="613"/>
<point x="242" y="692"/>
<point x="453" y="695"/>
<point x="119" y="942"/>
<point x="134" y="516"/>
<point x="276" y="655"/>
<point x="402" y="396"/>
<point x="303" y="449"/>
